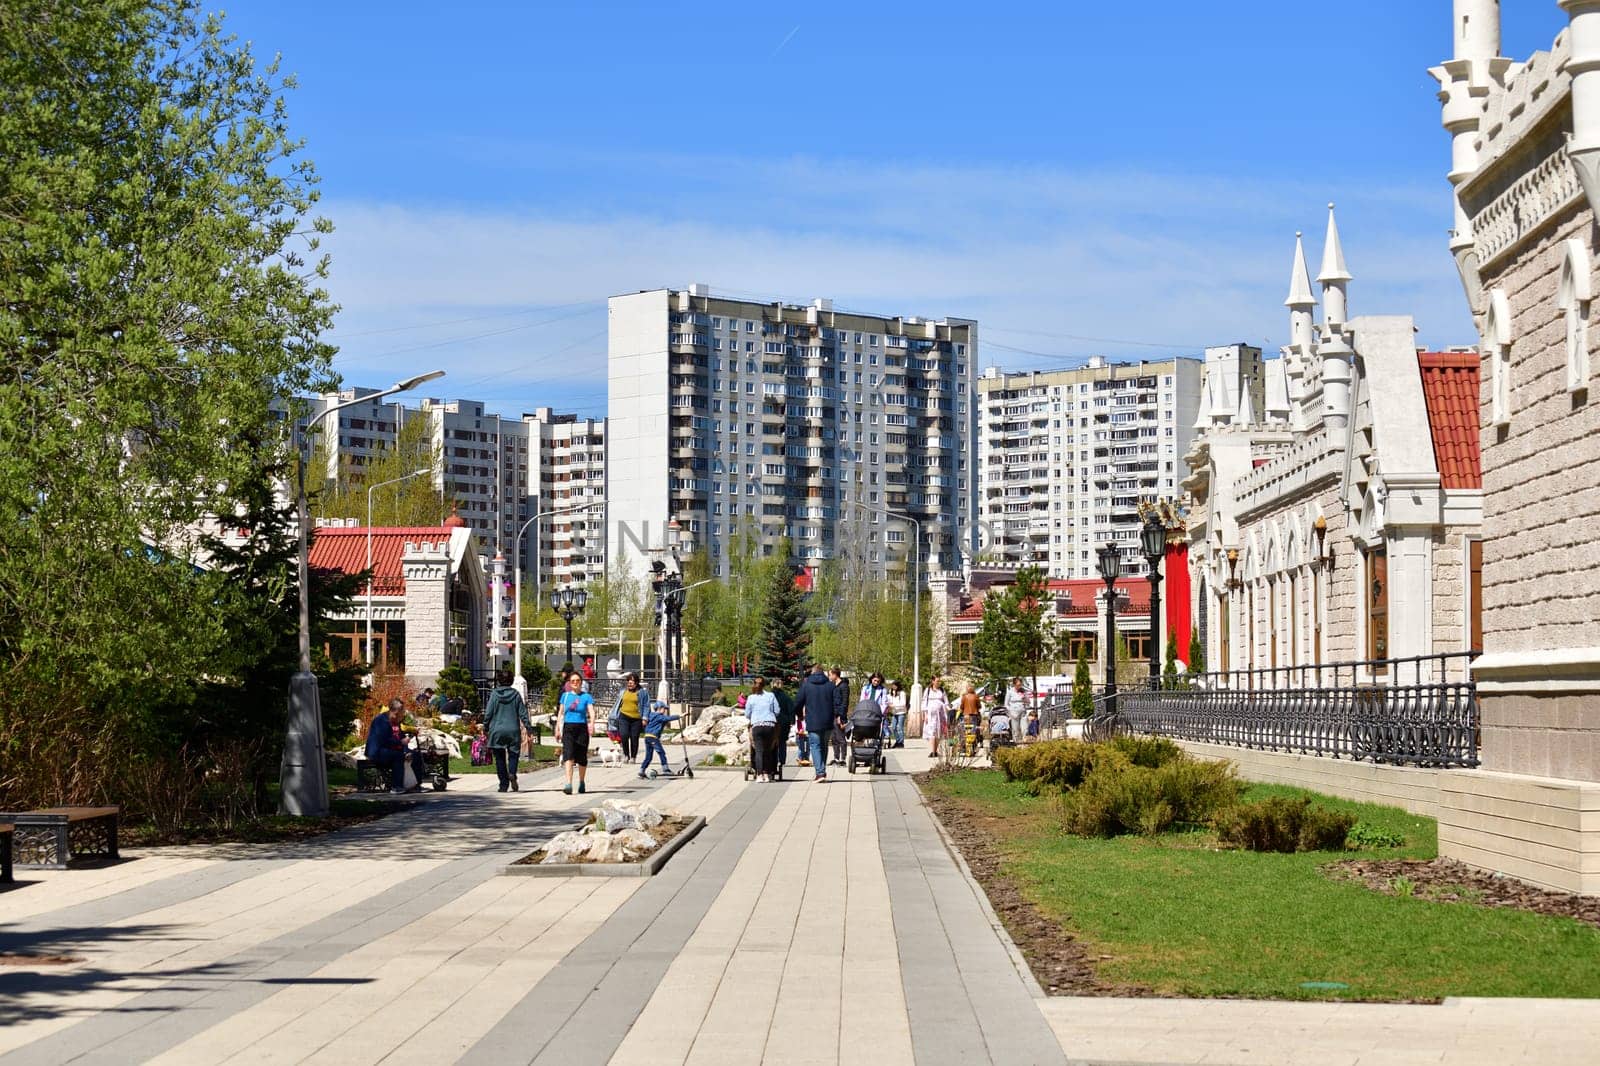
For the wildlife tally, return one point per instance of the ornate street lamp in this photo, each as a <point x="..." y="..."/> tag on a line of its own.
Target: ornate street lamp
<point x="1153" y="539"/>
<point x="1110" y="561"/>
<point x="569" y="601"/>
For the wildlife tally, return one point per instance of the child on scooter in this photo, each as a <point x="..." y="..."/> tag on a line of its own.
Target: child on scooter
<point x="657" y="720"/>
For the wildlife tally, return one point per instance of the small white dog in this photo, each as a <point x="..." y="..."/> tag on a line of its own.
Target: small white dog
<point x="611" y="757"/>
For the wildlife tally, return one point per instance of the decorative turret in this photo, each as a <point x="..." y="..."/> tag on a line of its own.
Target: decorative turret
<point x="1302" y="338"/>
<point x="1583" y="147"/>
<point x="1333" y="348"/>
<point x="1464" y="81"/>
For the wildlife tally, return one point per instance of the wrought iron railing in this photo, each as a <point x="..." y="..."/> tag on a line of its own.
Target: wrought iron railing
<point x="1419" y="711"/>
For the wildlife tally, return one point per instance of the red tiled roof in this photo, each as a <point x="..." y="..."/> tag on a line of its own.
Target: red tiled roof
<point x="344" y="548"/>
<point x="1450" y="390"/>
<point x="1084" y="592"/>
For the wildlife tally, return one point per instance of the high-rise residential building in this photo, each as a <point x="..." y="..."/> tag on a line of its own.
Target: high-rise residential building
<point x="497" y="472"/>
<point x="1066" y="455"/>
<point x="569" y="456"/>
<point x="794" y="420"/>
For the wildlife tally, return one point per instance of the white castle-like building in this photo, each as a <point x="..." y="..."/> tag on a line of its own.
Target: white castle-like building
<point x="1336" y="496"/>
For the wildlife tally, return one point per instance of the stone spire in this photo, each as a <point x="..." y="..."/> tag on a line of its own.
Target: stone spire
<point x="1333" y="348"/>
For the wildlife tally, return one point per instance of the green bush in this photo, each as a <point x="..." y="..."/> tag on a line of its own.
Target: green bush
<point x="1362" y="835"/>
<point x="1118" y="797"/>
<point x="1151" y="752"/>
<point x="1284" y="825"/>
<point x="1058" y="763"/>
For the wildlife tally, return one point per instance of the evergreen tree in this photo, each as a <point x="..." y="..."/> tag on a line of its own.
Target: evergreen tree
<point x="1197" y="654"/>
<point x="785" y="646"/>
<point x="1169" y="670"/>
<point x="1082" y="687"/>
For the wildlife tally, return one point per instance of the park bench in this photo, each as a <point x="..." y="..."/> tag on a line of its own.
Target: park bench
<point x="5" y="853"/>
<point x="370" y="777"/>
<point x="55" y="836"/>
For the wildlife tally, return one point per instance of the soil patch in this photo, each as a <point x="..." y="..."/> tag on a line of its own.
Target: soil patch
<point x="22" y="958"/>
<point x="662" y="832"/>
<point x="1449" y="881"/>
<point x="1061" y="963"/>
<point x="273" y="829"/>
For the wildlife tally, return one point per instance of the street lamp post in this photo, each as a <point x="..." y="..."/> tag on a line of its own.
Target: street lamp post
<point x="370" y="491"/>
<point x="516" y="568"/>
<point x="1110" y="561"/>
<point x="303" y="774"/>
<point x="670" y="593"/>
<point x="1153" y="539"/>
<point x="569" y="601"/>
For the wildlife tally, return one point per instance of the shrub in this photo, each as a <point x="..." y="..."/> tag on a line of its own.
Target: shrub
<point x="1117" y="796"/>
<point x="1148" y="751"/>
<point x="1362" y="835"/>
<point x="1058" y="763"/>
<point x="1284" y="825"/>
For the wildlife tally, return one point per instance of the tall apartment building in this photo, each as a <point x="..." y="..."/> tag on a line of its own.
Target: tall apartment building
<point x="795" y="420"/>
<point x="1066" y="455"/>
<point x="497" y="471"/>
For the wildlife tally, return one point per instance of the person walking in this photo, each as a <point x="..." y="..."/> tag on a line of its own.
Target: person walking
<point x="761" y="707"/>
<point x="629" y="715"/>
<point x="1016" y="706"/>
<point x="935" y="715"/>
<point x="876" y="691"/>
<point x="820" y="710"/>
<point x="971" y="709"/>
<point x="658" y="720"/>
<point x="896" y="705"/>
<point x="785" y="695"/>
<point x="575" y="705"/>
<point x="841" y="710"/>
<point x="505" y="716"/>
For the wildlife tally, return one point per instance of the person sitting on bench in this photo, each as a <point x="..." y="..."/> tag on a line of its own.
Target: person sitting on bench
<point x="385" y="748"/>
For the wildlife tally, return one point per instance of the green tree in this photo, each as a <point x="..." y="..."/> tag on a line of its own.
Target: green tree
<point x="1197" y="654"/>
<point x="785" y="640"/>
<point x="155" y="300"/>
<point x="1082" y="687"/>
<point x="1013" y="639"/>
<point x="415" y="501"/>
<point x="455" y="682"/>
<point x="1169" y="670"/>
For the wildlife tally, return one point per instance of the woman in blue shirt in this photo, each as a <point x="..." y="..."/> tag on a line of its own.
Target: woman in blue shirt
<point x="762" y="708"/>
<point x="575" y="704"/>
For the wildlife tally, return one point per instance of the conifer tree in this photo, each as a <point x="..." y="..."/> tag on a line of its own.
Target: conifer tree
<point x="1082" y="687"/>
<point x="785" y="642"/>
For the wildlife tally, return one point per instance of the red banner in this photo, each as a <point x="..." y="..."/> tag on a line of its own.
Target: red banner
<point x="1177" y="599"/>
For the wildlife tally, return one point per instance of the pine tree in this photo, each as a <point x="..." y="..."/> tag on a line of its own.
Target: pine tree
<point x="1197" y="654"/>
<point x="785" y="642"/>
<point x="1169" y="670"/>
<point x="1082" y="687"/>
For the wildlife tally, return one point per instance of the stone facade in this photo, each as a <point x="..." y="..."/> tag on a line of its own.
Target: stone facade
<point x="1526" y="171"/>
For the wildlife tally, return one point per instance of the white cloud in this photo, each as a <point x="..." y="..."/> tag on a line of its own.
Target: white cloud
<point x="1051" y="255"/>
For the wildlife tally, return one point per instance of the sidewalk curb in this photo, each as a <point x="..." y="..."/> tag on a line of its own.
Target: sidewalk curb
<point x="647" y="868"/>
<point x="1017" y="958"/>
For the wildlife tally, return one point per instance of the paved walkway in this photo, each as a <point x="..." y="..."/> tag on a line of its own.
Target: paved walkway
<point x="397" y="942"/>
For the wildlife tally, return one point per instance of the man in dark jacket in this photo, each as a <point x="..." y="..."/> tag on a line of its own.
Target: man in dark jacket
<point x="782" y="688"/>
<point x="820" y="707"/>
<point x="385" y="748"/>
<point x="841" y="710"/>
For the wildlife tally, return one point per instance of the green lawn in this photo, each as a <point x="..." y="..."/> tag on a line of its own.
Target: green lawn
<point x="1182" y="917"/>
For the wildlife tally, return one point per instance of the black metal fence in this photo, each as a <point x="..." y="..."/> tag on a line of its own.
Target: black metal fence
<point x="1420" y="711"/>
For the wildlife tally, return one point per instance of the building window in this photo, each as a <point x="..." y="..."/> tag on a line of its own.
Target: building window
<point x="1081" y="644"/>
<point x="1497" y="335"/>
<point x="1475" y="595"/>
<point x="1572" y="297"/>
<point x="961" y="648"/>
<point x="1377" y="599"/>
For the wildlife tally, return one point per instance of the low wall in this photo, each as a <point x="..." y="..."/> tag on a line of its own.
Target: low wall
<point x="1542" y="830"/>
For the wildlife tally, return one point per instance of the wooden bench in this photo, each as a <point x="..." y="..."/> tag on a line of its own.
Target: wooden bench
<point x="55" y="836"/>
<point x="5" y="853"/>
<point x="370" y="777"/>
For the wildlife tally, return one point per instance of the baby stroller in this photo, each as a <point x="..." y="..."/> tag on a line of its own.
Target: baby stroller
<point x="866" y="738"/>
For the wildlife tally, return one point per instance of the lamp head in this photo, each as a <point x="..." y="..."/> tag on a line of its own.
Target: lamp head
<point x="1110" y="561"/>
<point x="410" y="383"/>
<point x="1153" y="538"/>
<point x="579" y="597"/>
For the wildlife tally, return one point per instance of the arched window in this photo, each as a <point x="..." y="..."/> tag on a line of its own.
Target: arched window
<point x="1572" y="296"/>
<point x="1497" y="337"/>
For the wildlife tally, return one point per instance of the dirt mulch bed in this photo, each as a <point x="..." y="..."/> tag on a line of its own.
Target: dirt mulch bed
<point x="1061" y="964"/>
<point x="273" y="829"/>
<point x="662" y="832"/>
<point x="1448" y="881"/>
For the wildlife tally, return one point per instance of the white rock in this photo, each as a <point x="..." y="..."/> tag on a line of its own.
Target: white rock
<point x="606" y="847"/>
<point x="565" y="847"/>
<point x="734" y="754"/>
<point x="636" y="842"/>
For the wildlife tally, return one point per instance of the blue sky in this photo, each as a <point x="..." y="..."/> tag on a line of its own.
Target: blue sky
<point x="1106" y="178"/>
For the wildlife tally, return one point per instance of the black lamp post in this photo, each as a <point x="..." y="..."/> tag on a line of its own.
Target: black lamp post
<point x="569" y="601"/>
<point x="1153" y="539"/>
<point x="1110" y="569"/>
